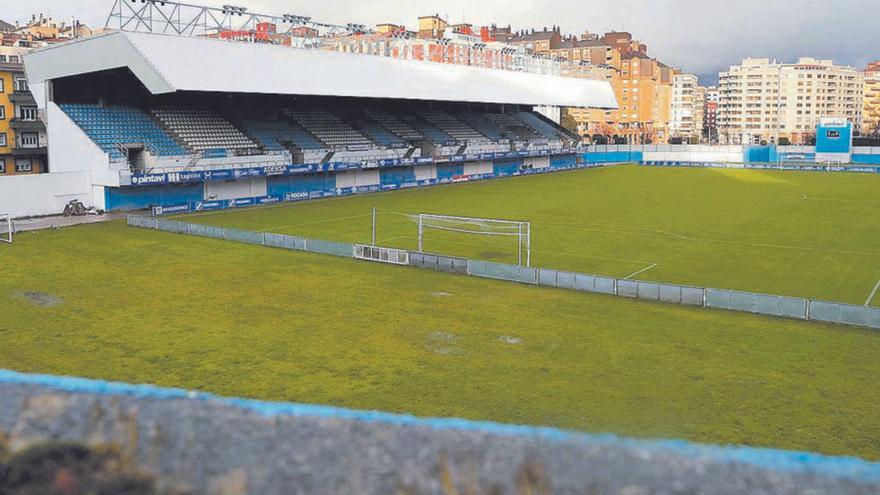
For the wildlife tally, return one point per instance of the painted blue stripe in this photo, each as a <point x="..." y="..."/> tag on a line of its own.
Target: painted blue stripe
<point x="776" y="460"/>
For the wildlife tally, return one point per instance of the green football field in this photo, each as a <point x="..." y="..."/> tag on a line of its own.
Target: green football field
<point x="113" y="302"/>
<point x="787" y="233"/>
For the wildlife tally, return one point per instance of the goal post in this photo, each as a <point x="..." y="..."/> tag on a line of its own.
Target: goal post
<point x="522" y="231"/>
<point x="6" y="228"/>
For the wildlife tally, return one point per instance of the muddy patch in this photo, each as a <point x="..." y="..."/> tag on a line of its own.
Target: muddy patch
<point x="41" y="299"/>
<point x="443" y="343"/>
<point x="441" y="294"/>
<point x="507" y="339"/>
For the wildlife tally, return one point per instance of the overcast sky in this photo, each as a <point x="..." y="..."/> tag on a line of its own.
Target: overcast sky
<point x="700" y="36"/>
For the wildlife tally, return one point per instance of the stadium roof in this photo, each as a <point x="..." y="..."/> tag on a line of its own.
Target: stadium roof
<point x="166" y="64"/>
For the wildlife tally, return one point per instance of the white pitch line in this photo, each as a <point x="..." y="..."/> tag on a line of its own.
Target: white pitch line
<point x="873" y="294"/>
<point x="643" y="270"/>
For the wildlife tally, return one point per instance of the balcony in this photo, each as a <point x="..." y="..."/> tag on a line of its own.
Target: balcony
<point x="27" y="125"/>
<point x="33" y="152"/>
<point x="22" y="97"/>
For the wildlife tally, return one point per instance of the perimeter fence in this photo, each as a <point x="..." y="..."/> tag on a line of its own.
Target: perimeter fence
<point x="724" y="299"/>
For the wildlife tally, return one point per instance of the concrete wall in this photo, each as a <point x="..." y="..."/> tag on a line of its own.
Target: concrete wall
<point x="43" y="194"/>
<point x="218" y="446"/>
<point x="71" y="150"/>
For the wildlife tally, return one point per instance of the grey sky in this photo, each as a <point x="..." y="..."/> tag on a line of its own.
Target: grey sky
<point x="700" y="36"/>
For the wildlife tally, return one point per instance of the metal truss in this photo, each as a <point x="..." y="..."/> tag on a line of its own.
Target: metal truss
<point x="182" y="19"/>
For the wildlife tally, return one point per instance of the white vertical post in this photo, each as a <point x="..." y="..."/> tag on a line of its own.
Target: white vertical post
<point x="374" y="227"/>
<point x="529" y="245"/>
<point x="519" y="244"/>
<point x="421" y="233"/>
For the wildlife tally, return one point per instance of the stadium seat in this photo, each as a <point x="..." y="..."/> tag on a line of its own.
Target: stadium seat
<point x="201" y="130"/>
<point x="112" y="127"/>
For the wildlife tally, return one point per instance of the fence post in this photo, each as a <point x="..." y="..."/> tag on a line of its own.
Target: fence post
<point x="616" y="292"/>
<point x="809" y="310"/>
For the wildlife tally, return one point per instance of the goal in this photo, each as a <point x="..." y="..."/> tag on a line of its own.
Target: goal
<point x="6" y="228"/>
<point x="521" y="232"/>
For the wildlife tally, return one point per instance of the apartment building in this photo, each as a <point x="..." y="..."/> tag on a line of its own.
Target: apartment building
<point x="710" y="115"/>
<point x="22" y="133"/>
<point x="687" y="108"/>
<point x="762" y="100"/>
<point x="643" y="87"/>
<point x="539" y="42"/>
<point x="871" y="102"/>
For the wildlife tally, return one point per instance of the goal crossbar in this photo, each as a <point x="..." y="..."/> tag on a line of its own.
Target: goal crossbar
<point x="481" y="226"/>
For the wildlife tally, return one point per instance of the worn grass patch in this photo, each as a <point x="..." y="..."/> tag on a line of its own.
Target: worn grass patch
<point x="151" y="307"/>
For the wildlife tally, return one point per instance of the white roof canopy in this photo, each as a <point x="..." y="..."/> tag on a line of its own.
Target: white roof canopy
<point x="165" y="64"/>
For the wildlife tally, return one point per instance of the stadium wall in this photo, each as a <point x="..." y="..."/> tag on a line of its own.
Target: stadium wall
<point x="731" y="155"/>
<point x="249" y="191"/>
<point x="43" y="194"/>
<point x="71" y="150"/>
<point x="245" y="446"/>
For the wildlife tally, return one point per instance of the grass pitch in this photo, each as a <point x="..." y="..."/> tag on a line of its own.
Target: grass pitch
<point x="111" y="302"/>
<point x="802" y="234"/>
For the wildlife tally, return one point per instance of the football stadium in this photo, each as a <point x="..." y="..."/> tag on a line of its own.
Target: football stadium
<point x="357" y="232"/>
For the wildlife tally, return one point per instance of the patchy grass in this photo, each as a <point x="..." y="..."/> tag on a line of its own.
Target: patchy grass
<point x="802" y="234"/>
<point x="151" y="307"/>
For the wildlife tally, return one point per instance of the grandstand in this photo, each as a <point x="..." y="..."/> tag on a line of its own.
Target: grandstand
<point x="186" y="122"/>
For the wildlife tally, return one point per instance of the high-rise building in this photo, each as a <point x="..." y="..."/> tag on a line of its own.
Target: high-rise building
<point x="710" y="115"/>
<point x="871" y="106"/>
<point x="687" y="108"/>
<point x="643" y="87"/>
<point x="762" y="100"/>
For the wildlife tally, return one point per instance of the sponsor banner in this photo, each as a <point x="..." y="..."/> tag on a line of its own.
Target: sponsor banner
<point x="209" y="205"/>
<point x="241" y="173"/>
<point x="237" y="203"/>
<point x="148" y="179"/>
<point x="168" y="210"/>
<point x="296" y="196"/>
<point x="217" y="174"/>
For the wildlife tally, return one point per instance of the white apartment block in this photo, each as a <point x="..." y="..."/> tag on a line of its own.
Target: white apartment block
<point x="687" y="107"/>
<point x="762" y="100"/>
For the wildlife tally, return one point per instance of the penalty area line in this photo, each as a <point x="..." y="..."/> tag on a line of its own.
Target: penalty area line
<point x="873" y="294"/>
<point x="643" y="270"/>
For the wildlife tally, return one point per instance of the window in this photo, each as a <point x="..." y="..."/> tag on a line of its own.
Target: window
<point x="21" y="85"/>
<point x="2" y="86"/>
<point x="2" y="139"/>
<point x="29" y="139"/>
<point x="23" y="165"/>
<point x="27" y="113"/>
<point x="2" y="112"/>
<point x="13" y="59"/>
<point x="2" y="165"/>
<point x="2" y="58"/>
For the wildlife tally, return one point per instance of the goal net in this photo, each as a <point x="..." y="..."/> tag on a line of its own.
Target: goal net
<point x="6" y="230"/>
<point x="475" y="236"/>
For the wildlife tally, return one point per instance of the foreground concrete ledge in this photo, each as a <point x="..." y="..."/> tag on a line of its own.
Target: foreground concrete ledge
<point x="214" y="445"/>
